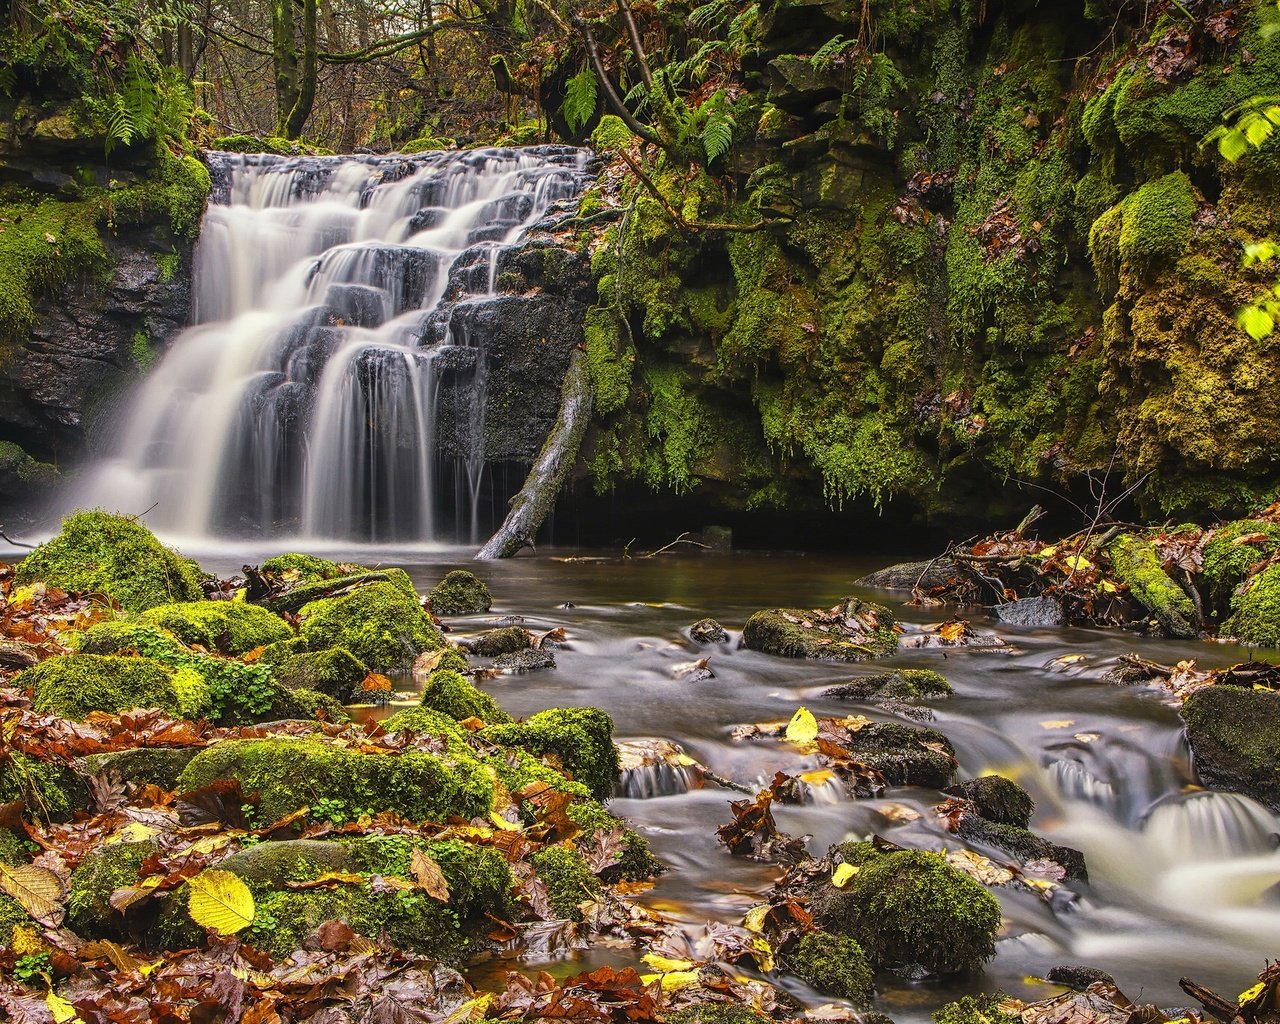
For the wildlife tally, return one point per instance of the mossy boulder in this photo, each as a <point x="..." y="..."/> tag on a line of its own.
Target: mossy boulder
<point x="460" y="593"/>
<point x="853" y="631"/>
<point x="129" y="636"/>
<point x="97" y="552"/>
<point x="453" y="695"/>
<point x="104" y="870"/>
<point x="975" y="1010"/>
<point x="50" y="789"/>
<point x="834" y="964"/>
<point x="997" y="799"/>
<point x="378" y="623"/>
<point x="302" y="568"/>
<point x="292" y="773"/>
<point x="909" y="907"/>
<point x="1227" y="560"/>
<point x="580" y="739"/>
<point x="72" y="685"/>
<point x="1235" y="739"/>
<point x="1255" y="610"/>
<point x="900" y="684"/>
<point x="425" y="721"/>
<point x="568" y="879"/>
<point x="157" y="766"/>
<point x="1021" y="843"/>
<point x="231" y="627"/>
<point x="335" y="672"/>
<point x="716" y="1013"/>
<point x="636" y="860"/>
<point x="496" y="642"/>
<point x="905" y="755"/>
<point x="1137" y="564"/>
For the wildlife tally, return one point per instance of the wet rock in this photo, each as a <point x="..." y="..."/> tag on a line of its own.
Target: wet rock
<point x="1137" y="564"/>
<point x="900" y="684"/>
<point x="1021" y="843"/>
<point x="997" y="799"/>
<point x="853" y="630"/>
<point x="496" y="642"/>
<point x="834" y="964"/>
<point x="1235" y="738"/>
<point x="525" y="661"/>
<point x="953" y="633"/>
<point x="1078" y="978"/>
<point x="1031" y="611"/>
<point x="708" y="631"/>
<point x="159" y="766"/>
<point x="908" y="575"/>
<point x="905" y="755"/>
<point x="655" y="767"/>
<point x="694" y="671"/>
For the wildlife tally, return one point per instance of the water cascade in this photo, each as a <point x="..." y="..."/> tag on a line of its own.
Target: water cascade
<point x="329" y="296"/>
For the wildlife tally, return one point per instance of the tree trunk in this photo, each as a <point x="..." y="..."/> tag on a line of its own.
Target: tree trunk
<point x="306" y="94"/>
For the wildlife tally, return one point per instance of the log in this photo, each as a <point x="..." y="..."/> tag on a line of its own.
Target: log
<point x="533" y="504"/>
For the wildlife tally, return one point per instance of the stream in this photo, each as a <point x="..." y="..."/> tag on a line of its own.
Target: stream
<point x="1181" y="880"/>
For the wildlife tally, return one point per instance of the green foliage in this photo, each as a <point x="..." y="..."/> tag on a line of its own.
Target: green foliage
<point x="580" y="100"/>
<point x="1157" y="223"/>
<point x="582" y="738"/>
<point x="33" y="967"/>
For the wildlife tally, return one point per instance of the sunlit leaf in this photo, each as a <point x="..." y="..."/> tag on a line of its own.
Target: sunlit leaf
<point x="843" y="875"/>
<point x="664" y="964"/>
<point x="803" y="727"/>
<point x="220" y="901"/>
<point x="61" y="1010"/>
<point x="38" y="890"/>
<point x="429" y="876"/>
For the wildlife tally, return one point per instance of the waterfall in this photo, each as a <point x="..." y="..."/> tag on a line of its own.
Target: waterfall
<point x="303" y="398"/>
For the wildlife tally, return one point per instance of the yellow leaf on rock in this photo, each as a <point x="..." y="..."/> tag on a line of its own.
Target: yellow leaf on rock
<point x="1058" y="723"/>
<point x="664" y="964"/>
<point x="754" y="921"/>
<point x="429" y="876"/>
<point x="472" y="1009"/>
<point x="220" y="901"/>
<point x="1250" y="994"/>
<point x="502" y="822"/>
<point x="676" y="980"/>
<point x="763" y="953"/>
<point x="134" y="832"/>
<point x="803" y="727"/>
<point x="38" y="890"/>
<point x="842" y="874"/>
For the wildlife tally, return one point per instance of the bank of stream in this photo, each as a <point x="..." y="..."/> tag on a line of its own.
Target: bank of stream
<point x="1181" y="880"/>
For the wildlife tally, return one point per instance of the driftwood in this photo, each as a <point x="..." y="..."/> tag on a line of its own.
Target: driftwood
<point x="538" y="495"/>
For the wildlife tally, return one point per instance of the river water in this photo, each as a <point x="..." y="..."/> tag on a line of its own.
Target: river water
<point x="1181" y="880"/>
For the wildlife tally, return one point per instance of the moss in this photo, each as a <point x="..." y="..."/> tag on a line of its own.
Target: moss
<point x="1226" y="562"/>
<point x="301" y="703"/>
<point x="899" y="684"/>
<point x="999" y="799"/>
<point x="460" y="593"/>
<point x="1255" y="610"/>
<point x="97" y="552"/>
<point x="378" y="623"/>
<point x="495" y="642"/>
<point x="975" y="1010"/>
<point x="157" y="766"/>
<point x="11" y="916"/>
<point x="304" y="568"/>
<point x="834" y="964"/>
<point x="1157" y="223"/>
<point x="866" y="631"/>
<point x="450" y="694"/>
<point x="13" y="850"/>
<point x="129" y="636"/>
<point x="232" y="627"/>
<point x="425" y="721"/>
<point x="635" y="861"/>
<point x="568" y="879"/>
<point x="912" y="907"/>
<point x="50" y="789"/>
<point x="905" y="755"/>
<point x="73" y="685"/>
<point x="608" y="362"/>
<point x="1136" y="564"/>
<point x="168" y="264"/>
<point x="16" y="464"/>
<point x="334" y="671"/>
<point x="1235" y="738"/>
<point x="282" y="650"/>
<point x="103" y="871"/>
<point x="478" y="877"/>
<point x="292" y="773"/>
<point x="716" y="1013"/>
<point x="581" y="739"/>
<point x="611" y="134"/>
<point x="185" y="185"/>
<point x="1021" y="843"/>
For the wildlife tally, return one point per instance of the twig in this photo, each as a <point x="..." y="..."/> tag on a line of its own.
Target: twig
<point x="16" y="543"/>
<point x="682" y="539"/>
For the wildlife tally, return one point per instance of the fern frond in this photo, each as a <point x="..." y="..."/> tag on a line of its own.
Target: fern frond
<point x="580" y="99"/>
<point x="827" y="53"/>
<point x="717" y="133"/>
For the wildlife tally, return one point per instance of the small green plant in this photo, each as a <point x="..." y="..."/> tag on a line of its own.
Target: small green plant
<point x="32" y="967"/>
<point x="580" y="99"/>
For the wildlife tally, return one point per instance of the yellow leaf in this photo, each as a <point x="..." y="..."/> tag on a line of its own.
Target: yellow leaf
<point x="1058" y="723"/>
<point x="134" y="832"/>
<point x="763" y="953"/>
<point x="61" y="1010"/>
<point x="472" y="1009"/>
<point x="842" y="874"/>
<point x="27" y="940"/>
<point x="502" y="822"/>
<point x="952" y="631"/>
<point x="108" y="950"/>
<point x="855" y="722"/>
<point x="38" y="890"/>
<point x="212" y="844"/>
<point x="820" y="777"/>
<point x="328" y="880"/>
<point x="429" y="876"/>
<point x="754" y="921"/>
<point x="220" y="901"/>
<point x="1249" y="994"/>
<point x="1077" y="563"/>
<point x="665" y="964"/>
<point x="677" y="980"/>
<point x="1109" y="587"/>
<point x="1047" y="552"/>
<point x="803" y="727"/>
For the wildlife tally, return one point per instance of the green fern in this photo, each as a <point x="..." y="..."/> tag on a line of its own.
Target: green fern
<point x="717" y="133"/>
<point x="580" y="100"/>
<point x="710" y="16"/>
<point x="831" y="50"/>
<point x="137" y="104"/>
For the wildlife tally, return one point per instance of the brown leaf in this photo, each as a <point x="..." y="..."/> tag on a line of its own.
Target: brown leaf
<point x="220" y="802"/>
<point x="334" y="936"/>
<point x="429" y="876"/>
<point x="328" y="880"/>
<point x="38" y="890"/>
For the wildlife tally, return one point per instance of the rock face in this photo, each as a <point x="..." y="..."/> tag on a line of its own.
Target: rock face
<point x="854" y="630"/>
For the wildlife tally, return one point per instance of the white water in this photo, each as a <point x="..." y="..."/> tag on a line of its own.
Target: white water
<point x="302" y="400"/>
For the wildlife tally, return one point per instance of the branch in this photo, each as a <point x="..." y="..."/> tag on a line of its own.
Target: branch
<point x="611" y="94"/>
<point x="637" y="47"/>
<point x="677" y="218"/>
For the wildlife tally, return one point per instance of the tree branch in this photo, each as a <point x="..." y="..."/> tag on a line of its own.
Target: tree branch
<point x="611" y="94"/>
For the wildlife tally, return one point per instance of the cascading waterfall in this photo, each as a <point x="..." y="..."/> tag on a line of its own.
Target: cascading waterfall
<point x="303" y="398"/>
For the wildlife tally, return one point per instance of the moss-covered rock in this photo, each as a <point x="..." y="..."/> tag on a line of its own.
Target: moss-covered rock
<point x="157" y="766"/>
<point x="1229" y="553"/>
<point x="496" y="642"/>
<point x="853" y="631"/>
<point x="974" y="1010"/>
<point x="97" y="552"/>
<point x="425" y="721"/>
<point x="72" y="685"/>
<point x="335" y="672"/>
<point x="129" y="636"/>
<point x="232" y="627"/>
<point x="716" y="1013"/>
<point x="568" y="879"/>
<point x="909" y="907"/>
<point x="452" y="695"/>
<point x="50" y="789"/>
<point x="304" y="568"/>
<point x="636" y="860"/>
<point x="834" y="964"/>
<point x="460" y="593"/>
<point x="289" y="774"/>
<point x="905" y="755"/>
<point x="11" y="916"/>
<point x="378" y="623"/>
<point x="13" y="848"/>
<point x="900" y="684"/>
<point x="998" y="799"/>
<point x="1021" y="843"/>
<point x="104" y="870"/>
<point x="1136" y="563"/>
<point x="1235" y="738"/>
<point x="580" y="739"/>
<point x="1255" y="610"/>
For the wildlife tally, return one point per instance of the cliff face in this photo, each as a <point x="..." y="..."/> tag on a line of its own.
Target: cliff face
<point x="997" y="250"/>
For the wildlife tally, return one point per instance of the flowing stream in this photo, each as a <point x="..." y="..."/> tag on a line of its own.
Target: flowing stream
<point x="1183" y="881"/>
<point x="302" y="401"/>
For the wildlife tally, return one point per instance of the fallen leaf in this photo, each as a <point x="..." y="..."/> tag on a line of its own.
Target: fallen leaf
<point x="220" y="901"/>
<point x="803" y="727"/>
<point x="429" y="876"/>
<point x="38" y="890"/>
<point x="843" y="875"/>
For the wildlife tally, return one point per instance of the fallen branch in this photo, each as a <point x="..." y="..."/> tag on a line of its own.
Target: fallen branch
<point x="16" y="543"/>
<point x="682" y="539"/>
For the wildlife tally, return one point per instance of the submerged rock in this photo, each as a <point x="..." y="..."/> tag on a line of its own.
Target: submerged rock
<point x="530" y="660"/>
<point x="853" y="630"/>
<point x="1235" y="738"/>
<point x="708" y="631"/>
<point x="900" y="684"/>
<point x="905" y="755"/>
<point x="1021" y="843"/>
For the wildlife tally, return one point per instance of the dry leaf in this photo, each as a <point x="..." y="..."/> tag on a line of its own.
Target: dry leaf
<point x="38" y="890"/>
<point x="429" y="876"/>
<point x="220" y="901"/>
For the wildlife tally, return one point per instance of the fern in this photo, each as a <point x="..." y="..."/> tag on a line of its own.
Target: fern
<point x="137" y="104"/>
<point x="717" y="133"/>
<point x="710" y="16"/>
<point x="833" y="48"/>
<point x="580" y="100"/>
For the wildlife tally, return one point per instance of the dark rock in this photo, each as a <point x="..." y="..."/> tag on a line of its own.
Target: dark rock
<point x="908" y="575"/>
<point x="997" y="799"/>
<point x="1021" y="843"/>
<point x="1235" y="738"/>
<point x="708" y="631"/>
<point x="900" y="684"/>
<point x="159" y="766"/>
<point x="1078" y="978"/>
<point x="526" y="661"/>
<point x="497" y="642"/>
<point x="1031" y="611"/>
<point x="854" y="630"/>
<point x="899" y="753"/>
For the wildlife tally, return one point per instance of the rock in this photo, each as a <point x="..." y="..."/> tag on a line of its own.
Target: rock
<point x="460" y="593"/>
<point x="334" y="671"/>
<point x="299" y="568"/>
<point x="495" y="642"/>
<point x="230" y="627"/>
<point x="74" y="685"/>
<point x="854" y="630"/>
<point x="908" y="575"/>
<point x="900" y="754"/>
<point x="1255" y="608"/>
<point x="1136" y="563"/>
<point x="655" y="767"/>
<point x="450" y="694"/>
<point x="582" y="739"/>
<point x="1031" y="611"/>
<point x="378" y="623"/>
<point x="997" y="799"/>
<point x="1078" y="978"/>
<point x="526" y="661"/>
<point x="708" y="631"/>
<point x="1235" y="739"/>
<point x="834" y="964"/>
<point x="900" y="684"/>
<point x="694" y="671"/>
<point x="1021" y="843"/>
<point x="104" y="870"/>
<point x="157" y="766"/>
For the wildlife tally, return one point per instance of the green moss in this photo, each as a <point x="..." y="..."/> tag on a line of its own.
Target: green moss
<point x="796" y="633"/>
<point x="1255" y="610"/>
<point x="833" y="964"/>
<point x="460" y="593"/>
<point x="334" y="671"/>
<point x="304" y="568"/>
<point x="50" y="789"/>
<point x="11" y="916"/>
<point x="581" y="739"/>
<point x="1235" y="738"/>
<point x="450" y="694"/>
<point x="232" y="627"/>
<point x="157" y="766"/>
<point x="716" y="1013"/>
<point x="1157" y="223"/>
<point x="168" y="263"/>
<point x="73" y="685"/>
<point x="13" y="850"/>
<point x="16" y="464"/>
<point x="496" y="642"/>
<point x="900" y="684"/>
<point x="97" y="552"/>
<point x="608" y="362"/>
<point x="103" y="871"/>
<point x="999" y="800"/>
<point x="1136" y="564"/>
<point x="568" y="879"/>
<point x="1226" y="563"/>
<point x="478" y="877"/>
<point x="292" y="773"/>
<point x="635" y="861"/>
<point x="975" y="1010"/>
<point x="378" y="623"/>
